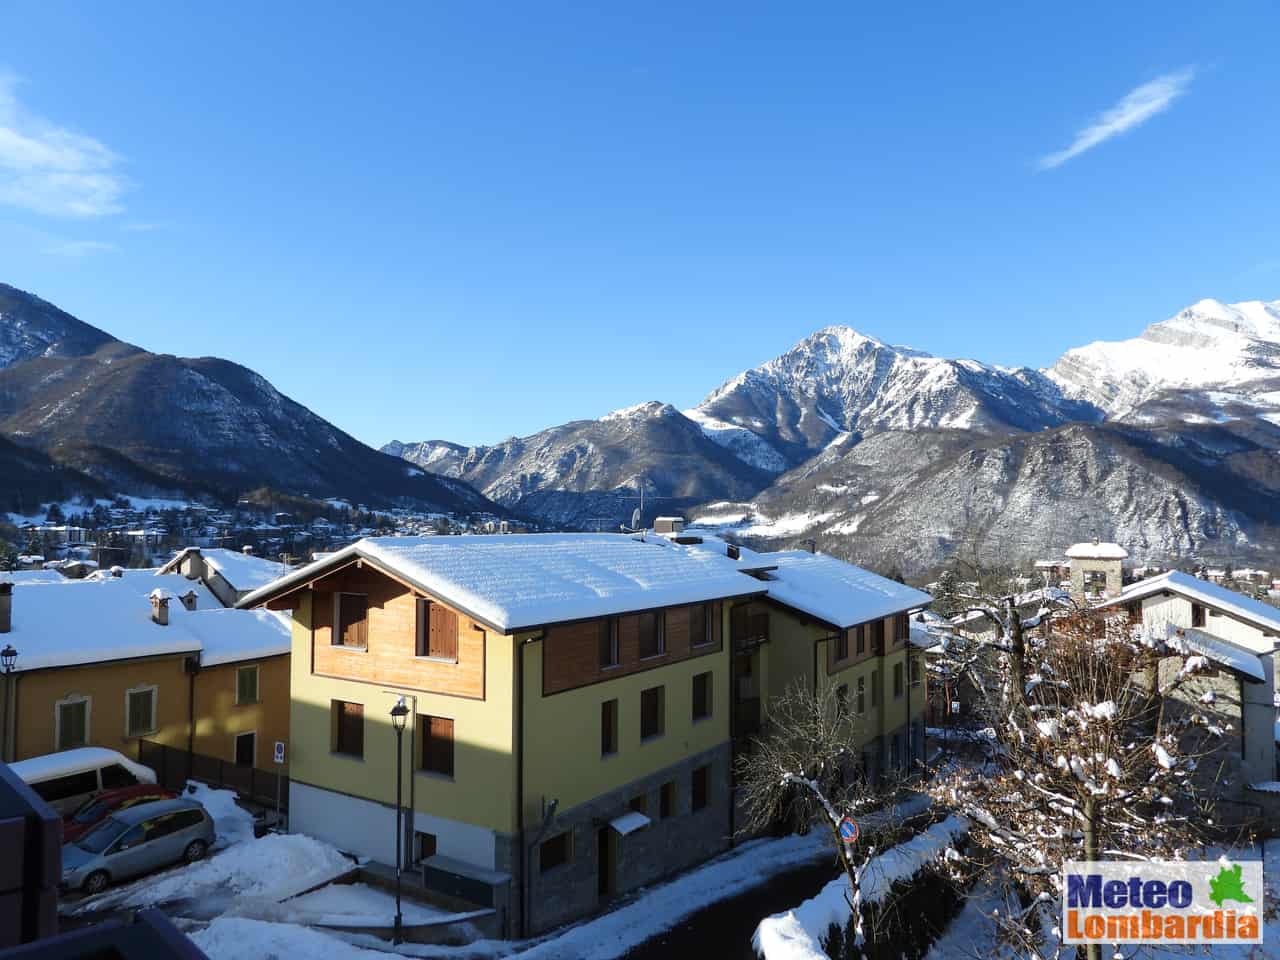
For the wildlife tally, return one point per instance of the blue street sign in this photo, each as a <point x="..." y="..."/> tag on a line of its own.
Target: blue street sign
<point x="848" y="831"/>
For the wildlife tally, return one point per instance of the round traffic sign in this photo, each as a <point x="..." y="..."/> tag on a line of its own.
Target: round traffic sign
<point x="849" y="830"/>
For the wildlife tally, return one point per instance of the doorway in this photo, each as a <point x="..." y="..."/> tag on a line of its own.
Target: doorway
<point x="605" y="863"/>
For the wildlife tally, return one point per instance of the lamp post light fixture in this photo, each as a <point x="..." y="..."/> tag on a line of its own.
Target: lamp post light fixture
<point x="399" y="715"/>
<point x="8" y="657"/>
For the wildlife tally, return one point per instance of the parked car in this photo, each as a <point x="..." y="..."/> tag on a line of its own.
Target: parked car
<point x="135" y="841"/>
<point x="70" y="777"/>
<point x="93" y="812"/>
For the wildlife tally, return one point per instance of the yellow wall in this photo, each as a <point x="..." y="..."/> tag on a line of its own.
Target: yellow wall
<point x="562" y="731"/>
<point x="789" y="652"/>
<point x="482" y="790"/>
<point x="219" y="718"/>
<point x="105" y="685"/>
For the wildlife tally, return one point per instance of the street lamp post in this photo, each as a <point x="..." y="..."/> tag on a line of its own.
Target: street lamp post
<point x="399" y="714"/>
<point x="8" y="659"/>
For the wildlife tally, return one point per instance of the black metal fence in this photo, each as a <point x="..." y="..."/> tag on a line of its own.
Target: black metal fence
<point x="175" y="766"/>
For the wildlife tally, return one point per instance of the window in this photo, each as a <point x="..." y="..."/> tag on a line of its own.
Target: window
<point x="71" y="718"/>
<point x="897" y="680"/>
<point x="652" y="641"/>
<point x="915" y="671"/>
<point x="555" y="851"/>
<point x="842" y="699"/>
<point x="350" y="622"/>
<point x="842" y="645"/>
<point x="114" y="775"/>
<point x="72" y="785"/>
<point x="247" y="684"/>
<point x="700" y="623"/>
<point x="701" y="788"/>
<point x="140" y="711"/>
<point x="246" y="749"/>
<point x="424" y="845"/>
<point x="348" y="727"/>
<point x="862" y="695"/>
<point x="1197" y="615"/>
<point x="901" y="627"/>
<point x="639" y="804"/>
<point x="701" y="696"/>
<point x="608" y="643"/>
<point x="667" y="800"/>
<point x="437" y="632"/>
<point x="877" y="637"/>
<point x="437" y="744"/>
<point x="608" y="728"/>
<point x="651" y="713"/>
<point x="860" y="639"/>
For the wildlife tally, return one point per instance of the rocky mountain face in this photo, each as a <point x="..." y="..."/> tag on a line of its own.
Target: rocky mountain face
<point x="588" y="473"/>
<point x="150" y="423"/>
<point x="1167" y="442"/>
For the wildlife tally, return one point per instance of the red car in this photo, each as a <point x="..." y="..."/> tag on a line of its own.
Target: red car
<point x="96" y="810"/>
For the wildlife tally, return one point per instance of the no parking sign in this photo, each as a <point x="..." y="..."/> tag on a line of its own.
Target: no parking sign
<point x="849" y="831"/>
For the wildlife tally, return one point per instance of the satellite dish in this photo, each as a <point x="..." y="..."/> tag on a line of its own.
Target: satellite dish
<point x="635" y="519"/>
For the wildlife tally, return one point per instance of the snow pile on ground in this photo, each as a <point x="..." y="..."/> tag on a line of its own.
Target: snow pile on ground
<point x="273" y="868"/>
<point x="231" y="821"/>
<point x="360" y="905"/>
<point x="237" y="938"/>
<point x="798" y="934"/>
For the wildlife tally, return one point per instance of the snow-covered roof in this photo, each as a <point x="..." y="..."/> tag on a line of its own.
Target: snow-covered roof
<point x="244" y="571"/>
<point x="21" y="577"/>
<point x="103" y="618"/>
<point x="1219" y="650"/>
<point x="518" y="581"/>
<point x="1093" y="550"/>
<point x="64" y="762"/>
<point x="835" y="591"/>
<point x="1260" y="614"/>
<point x="922" y="637"/>
<point x="629" y="822"/>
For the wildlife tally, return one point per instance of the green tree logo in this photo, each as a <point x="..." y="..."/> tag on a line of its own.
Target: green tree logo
<point x="1227" y="885"/>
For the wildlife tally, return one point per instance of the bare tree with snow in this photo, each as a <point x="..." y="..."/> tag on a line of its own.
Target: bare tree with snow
<point x="1081" y="771"/>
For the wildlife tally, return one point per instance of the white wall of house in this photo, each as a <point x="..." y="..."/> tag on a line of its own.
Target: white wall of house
<point x="368" y="829"/>
<point x="1176" y="610"/>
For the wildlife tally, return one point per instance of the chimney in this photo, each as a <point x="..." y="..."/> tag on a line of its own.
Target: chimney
<point x="810" y="544"/>
<point x="160" y="607"/>
<point x="247" y="549"/>
<point x="6" y="606"/>
<point x="117" y="572"/>
<point x="188" y="600"/>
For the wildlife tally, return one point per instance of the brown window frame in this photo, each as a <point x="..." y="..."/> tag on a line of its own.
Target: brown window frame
<point x="607" y="644"/>
<point x="338" y="637"/>
<point x="707" y="696"/>
<point x="842" y="645"/>
<point x="609" y="728"/>
<point x="656" y="696"/>
<point x="860" y="639"/>
<point x="659" y="638"/>
<point x="439" y="738"/>
<point x="437" y="631"/>
<point x="707" y="634"/>
<point x="343" y="711"/>
<point x="700" y="788"/>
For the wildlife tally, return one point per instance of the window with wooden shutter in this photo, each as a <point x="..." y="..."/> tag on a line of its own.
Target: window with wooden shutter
<point x="608" y="642"/>
<point x="1197" y="615"/>
<point x="437" y="744"/>
<point x="608" y="728"/>
<point x="351" y="624"/>
<point x="700" y="793"/>
<point x="901" y="627"/>
<point x="651" y="634"/>
<point x="437" y="631"/>
<point x="701" y="696"/>
<point x="860" y="639"/>
<point x="247" y="684"/>
<point x="651" y="713"/>
<point x="700" y="624"/>
<point x="72" y="723"/>
<point x="348" y="723"/>
<point x="142" y="711"/>
<point x="842" y="645"/>
<point x="877" y="637"/>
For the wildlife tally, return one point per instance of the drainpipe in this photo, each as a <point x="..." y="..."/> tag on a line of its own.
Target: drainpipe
<point x="520" y="827"/>
<point x="733" y="729"/>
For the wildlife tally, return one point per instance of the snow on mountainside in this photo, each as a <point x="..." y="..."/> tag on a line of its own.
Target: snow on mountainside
<point x="1212" y="361"/>
<point x="838" y="380"/>
<point x="31" y="327"/>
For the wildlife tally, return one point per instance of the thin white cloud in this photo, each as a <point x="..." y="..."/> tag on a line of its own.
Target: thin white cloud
<point x="78" y="248"/>
<point x="1135" y="108"/>
<point x="51" y="170"/>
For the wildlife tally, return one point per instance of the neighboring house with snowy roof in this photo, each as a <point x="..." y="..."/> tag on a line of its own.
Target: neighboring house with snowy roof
<point x="1096" y="569"/>
<point x="131" y="655"/>
<point x="576" y="698"/>
<point x="1239" y="637"/>
<point x="230" y="575"/>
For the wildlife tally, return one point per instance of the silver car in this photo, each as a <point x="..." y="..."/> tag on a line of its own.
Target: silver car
<point x="135" y="841"/>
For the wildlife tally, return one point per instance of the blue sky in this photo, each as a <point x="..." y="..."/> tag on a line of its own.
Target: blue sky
<point x="466" y="221"/>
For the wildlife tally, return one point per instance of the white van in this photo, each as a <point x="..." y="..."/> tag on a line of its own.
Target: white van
<point x="67" y="779"/>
